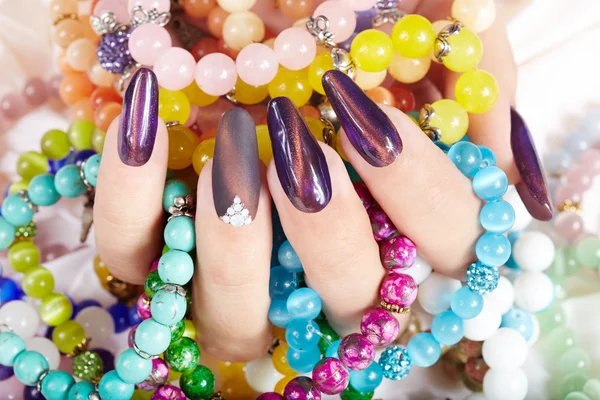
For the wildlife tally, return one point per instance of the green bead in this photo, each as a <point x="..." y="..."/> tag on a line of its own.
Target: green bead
<point x="574" y="360"/>
<point x="572" y="383"/>
<point x="142" y="395"/>
<point x="98" y="138"/>
<point x="23" y="255"/>
<point x="183" y="356"/>
<point x="592" y="389"/>
<point x="588" y="252"/>
<point x="328" y="333"/>
<point x="32" y="163"/>
<point x="26" y="231"/>
<point x="55" y="309"/>
<point x="55" y="144"/>
<point x="198" y="384"/>
<point x="68" y="335"/>
<point x="152" y="284"/>
<point x="177" y="331"/>
<point x="38" y="282"/>
<point x="165" y="249"/>
<point x="577" y="396"/>
<point x="567" y="257"/>
<point x="552" y="317"/>
<point x="352" y="394"/>
<point x="558" y="341"/>
<point x="88" y="366"/>
<point x="80" y="134"/>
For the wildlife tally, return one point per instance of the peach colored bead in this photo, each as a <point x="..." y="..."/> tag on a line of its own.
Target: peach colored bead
<point x="409" y="70"/>
<point x="242" y="28"/>
<point x="310" y="111"/>
<point x="118" y="7"/>
<point x="257" y="64"/>
<point x="236" y="5"/>
<point x="381" y="95"/>
<point x="477" y="15"/>
<point x="174" y="68"/>
<point x="101" y="77"/>
<point x="223" y="48"/>
<point x="66" y="32"/>
<point x="369" y="80"/>
<point x="35" y="92"/>
<point x="63" y="63"/>
<point x="58" y="8"/>
<point x="103" y="95"/>
<point x="105" y="115"/>
<point x="214" y="20"/>
<point x="360" y="5"/>
<point x="81" y="54"/>
<point x="295" y="48"/>
<point x="88" y="31"/>
<point x="204" y="46"/>
<point x="158" y="5"/>
<point x="342" y="19"/>
<point x="82" y="109"/>
<point x="147" y="42"/>
<point x="74" y="87"/>
<point x="270" y="42"/>
<point x="216" y="74"/>
<point x="296" y="9"/>
<point x="198" y="8"/>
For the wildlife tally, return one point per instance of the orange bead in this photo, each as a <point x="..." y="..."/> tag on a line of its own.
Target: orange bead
<point x="215" y="20"/>
<point x="82" y="110"/>
<point x="310" y="111"/>
<point x="204" y="46"/>
<point x="59" y="8"/>
<point x="101" y="77"/>
<point x="63" y="63"/>
<point x="103" y="95"/>
<point x="381" y="95"/>
<point x="105" y="115"/>
<point x="296" y="9"/>
<point x="198" y="8"/>
<point x="405" y="98"/>
<point x="102" y="272"/>
<point x="279" y="333"/>
<point x="75" y="87"/>
<point x="88" y="31"/>
<point x="208" y="134"/>
<point x="66" y="31"/>
<point x="280" y="386"/>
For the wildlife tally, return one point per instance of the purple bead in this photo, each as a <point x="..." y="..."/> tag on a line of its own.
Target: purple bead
<point x="398" y="289"/>
<point x="168" y="392"/>
<point x="113" y="52"/>
<point x="143" y="307"/>
<point x="270" y="396"/>
<point x="5" y="372"/>
<point x="301" y="388"/>
<point x="158" y="376"/>
<point x="330" y="376"/>
<point x="107" y="359"/>
<point x="382" y="226"/>
<point x="363" y="193"/>
<point x="32" y="393"/>
<point x="356" y="352"/>
<point x="397" y="252"/>
<point x="131" y="336"/>
<point x="379" y="327"/>
<point x="364" y="19"/>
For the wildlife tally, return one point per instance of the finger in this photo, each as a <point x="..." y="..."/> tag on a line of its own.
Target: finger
<point x="128" y="211"/>
<point x="231" y="286"/>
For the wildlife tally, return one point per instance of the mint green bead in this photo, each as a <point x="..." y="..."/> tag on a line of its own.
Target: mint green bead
<point x="56" y="385"/>
<point x="81" y="391"/>
<point x="111" y="387"/>
<point x="574" y="360"/>
<point x="168" y="308"/>
<point x="132" y="368"/>
<point x="29" y="366"/>
<point x="573" y="382"/>
<point x="16" y="211"/>
<point x="174" y="188"/>
<point x="151" y="337"/>
<point x="42" y="192"/>
<point x="11" y="345"/>
<point x="577" y="396"/>
<point x="68" y="182"/>
<point x="592" y="388"/>
<point x="565" y="261"/>
<point x="80" y="134"/>
<point x="558" y="341"/>
<point x="552" y="317"/>
<point x="180" y="234"/>
<point x="91" y="169"/>
<point x="176" y="267"/>
<point x="7" y="234"/>
<point x="588" y="252"/>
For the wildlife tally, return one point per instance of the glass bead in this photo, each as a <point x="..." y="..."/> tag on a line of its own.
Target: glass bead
<point x="368" y="379"/>
<point x="112" y="387"/>
<point x="56" y="385"/>
<point x="301" y="388"/>
<point x="18" y="186"/>
<point x="55" y="309"/>
<point x="466" y="51"/>
<point x="587" y="251"/>
<point x="197" y="97"/>
<point x="41" y="190"/>
<point x="592" y="389"/>
<point x="490" y="183"/>
<point x="328" y="335"/>
<point x="92" y="168"/>
<point x="278" y="314"/>
<point x="100" y="324"/>
<point x="466" y="157"/>
<point x="182" y="142"/>
<point x="304" y="303"/>
<point x="519" y="320"/>
<point x="296" y="9"/>
<point x="423" y="349"/>
<point x="282" y="283"/>
<point x="398" y="289"/>
<point x="352" y="394"/>
<point x="288" y="258"/>
<point x="9" y="290"/>
<point x="369" y="80"/>
<point x="11" y="345"/>
<point x="356" y="352"/>
<point x="466" y="303"/>
<point x="68" y="182"/>
<point x="381" y="224"/>
<point x="98" y="138"/>
<point x="321" y="64"/>
<point x="152" y="284"/>
<point x="180" y="234"/>
<point x="21" y="317"/>
<point x="492" y="250"/>
<point x="332" y="350"/>
<point x="413" y="36"/>
<point x="447" y="328"/>
<point x="342" y="19"/>
<point x="183" y="356"/>
<point x="397" y="253"/>
<point x="198" y="384"/>
<point x="38" y="282"/>
<point x="74" y="87"/>
<point x="292" y="84"/>
<point x="302" y="335"/>
<point x="105" y="115"/>
<point x="119" y="313"/>
<point x="169" y="392"/>
<point x="80" y="134"/>
<point x="573" y="382"/>
<point x="250" y="94"/>
<point x="451" y="119"/>
<point x="176" y="267"/>
<point x="152" y="338"/>
<point x="270" y="396"/>
<point x="330" y="377"/>
<point x="16" y="211"/>
<point x="280" y="360"/>
<point x="476" y="91"/>
<point x="29" y="366"/>
<point x="497" y="216"/>
<point x="379" y="327"/>
<point x="7" y="234"/>
<point x="372" y="50"/>
<point x="574" y="360"/>
<point x="68" y="335"/>
<point x="203" y="152"/>
<point x="55" y="144"/>
<point x="395" y="363"/>
<point x="552" y="317"/>
<point x="180" y="330"/>
<point x="89" y="365"/>
<point x="489" y="158"/>
<point x="168" y="308"/>
<point x="303" y="361"/>
<point x="558" y="341"/>
<point x="173" y="105"/>
<point x="81" y="391"/>
<point x="477" y="15"/>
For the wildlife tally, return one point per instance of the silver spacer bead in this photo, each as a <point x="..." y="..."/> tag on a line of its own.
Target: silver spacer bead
<point x="94" y="395"/>
<point x="140" y="16"/>
<point x="143" y="354"/>
<point x="387" y="12"/>
<point x="171" y="288"/>
<point x="172" y="123"/>
<point x="182" y="206"/>
<point x="329" y="134"/>
<point x="319" y="28"/>
<point x="229" y="96"/>
<point x="82" y="176"/>
<point x="40" y="379"/>
<point x="25" y="197"/>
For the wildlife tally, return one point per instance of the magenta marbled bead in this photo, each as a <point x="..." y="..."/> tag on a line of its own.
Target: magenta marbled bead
<point x="397" y="252"/>
<point x="398" y="289"/>
<point x="379" y="327"/>
<point x="158" y="376"/>
<point x="356" y="352"/>
<point x="168" y="392"/>
<point x="131" y="336"/>
<point x="13" y="106"/>
<point x="35" y="92"/>
<point x="382" y="226"/>
<point x="363" y="193"/>
<point x="143" y="307"/>
<point x="301" y="388"/>
<point x="153" y="266"/>
<point x="270" y="396"/>
<point x="330" y="376"/>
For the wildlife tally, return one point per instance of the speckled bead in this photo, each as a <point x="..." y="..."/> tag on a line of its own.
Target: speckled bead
<point x="398" y="289"/>
<point x="364" y="194"/>
<point x="198" y="384"/>
<point x="16" y="211"/>
<point x="81" y="391"/>
<point x="183" y="356"/>
<point x="68" y="182"/>
<point x="113" y="388"/>
<point x="168" y="392"/>
<point x="91" y="169"/>
<point x="29" y="366"/>
<point x="180" y="234"/>
<point x="330" y="376"/>
<point x="132" y="368"/>
<point x="482" y="278"/>
<point x="11" y="345"/>
<point x="41" y="190"/>
<point x="152" y="338"/>
<point x="301" y="388"/>
<point x="379" y="327"/>
<point x="356" y="352"/>
<point x="382" y="226"/>
<point x="168" y="308"/>
<point x="143" y="307"/>
<point x="397" y="253"/>
<point x="395" y="363"/>
<point x="176" y="267"/>
<point x="56" y="385"/>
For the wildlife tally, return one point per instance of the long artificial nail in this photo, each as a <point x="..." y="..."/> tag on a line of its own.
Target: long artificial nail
<point x="139" y="120"/>
<point x="366" y="125"/>
<point x="236" y="169"/>
<point x="532" y="188"/>
<point x="299" y="160"/>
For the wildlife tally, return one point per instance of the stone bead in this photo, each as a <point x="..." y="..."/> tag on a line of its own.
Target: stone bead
<point x="296" y="9"/>
<point x="11" y="345"/>
<point x="398" y="289"/>
<point x="74" y="87"/>
<point x="132" y="368"/>
<point x="29" y="366"/>
<point x="356" y="352"/>
<point x="180" y="234"/>
<point x="16" y="211"/>
<point x="295" y="48"/>
<point x="408" y="70"/>
<point x="301" y="388"/>
<point x="7" y="234"/>
<point x="82" y="109"/>
<point x="55" y="309"/>
<point x="215" y="19"/>
<point x="200" y="383"/>
<point x="168" y="308"/>
<point x="382" y="226"/>
<point x="81" y="391"/>
<point x="342" y="20"/>
<point x="397" y="253"/>
<point x="379" y="327"/>
<point x="199" y="8"/>
<point x="242" y="28"/>
<point x="80" y="134"/>
<point x="56" y="385"/>
<point x="101" y="77"/>
<point x="202" y="154"/>
<point x="574" y="360"/>
<point x="330" y="377"/>
<point x="112" y="387"/>
<point x="477" y="15"/>
<point x="152" y="337"/>
<point x="30" y="164"/>
<point x="106" y="114"/>
<point x="257" y="64"/>
<point x="413" y="36"/>
<point x="587" y="252"/>
<point x="21" y="317"/>
<point x="67" y="31"/>
<point x="81" y="54"/>
<point x="68" y="182"/>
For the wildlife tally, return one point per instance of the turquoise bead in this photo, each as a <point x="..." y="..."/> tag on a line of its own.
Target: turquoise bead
<point x="176" y="267"/>
<point x="29" y="366"/>
<point x="288" y="258"/>
<point x="466" y="303"/>
<point x="447" y="328"/>
<point x="180" y="234"/>
<point x="302" y="335"/>
<point x="497" y="216"/>
<point x="519" y="320"/>
<point x="278" y="314"/>
<point x="111" y="387"/>
<point x="132" y="368"/>
<point x="42" y="192"/>
<point x="7" y="234"/>
<point x="332" y="350"/>
<point x="493" y="249"/>
<point x="81" y="391"/>
<point x="490" y="183"/>
<point x="168" y="308"/>
<point x="16" y="211"/>
<point x="304" y="303"/>
<point x="174" y="188"/>
<point x="423" y="349"/>
<point x="91" y="169"/>
<point x="68" y="182"/>
<point x="56" y="385"/>
<point x="303" y="361"/>
<point x="152" y="338"/>
<point x="11" y="345"/>
<point x="368" y="379"/>
<point x="489" y="158"/>
<point x="467" y="157"/>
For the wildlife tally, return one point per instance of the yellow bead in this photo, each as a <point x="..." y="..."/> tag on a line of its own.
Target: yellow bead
<point x="413" y="36"/>
<point x="237" y="389"/>
<point x="18" y="186"/>
<point x="280" y="386"/>
<point x="229" y="370"/>
<point x="203" y="152"/>
<point x="55" y="309"/>
<point x="369" y="80"/>
<point x="280" y="361"/>
<point x="173" y="105"/>
<point x="38" y="282"/>
<point x="102" y="272"/>
<point x="197" y="97"/>
<point x="189" y="330"/>
<point x="55" y="144"/>
<point x="278" y="333"/>
<point x="372" y="50"/>
<point x="173" y="375"/>
<point x="23" y="255"/>
<point x="321" y="64"/>
<point x="67" y="336"/>
<point x="451" y="119"/>
<point x="248" y="94"/>
<point x="409" y="70"/>
<point x="32" y="163"/>
<point x="291" y="84"/>
<point x="265" y="151"/>
<point x="476" y="91"/>
<point x="317" y="127"/>
<point x="182" y="142"/>
<point x="98" y="138"/>
<point x="466" y="51"/>
<point x="139" y="394"/>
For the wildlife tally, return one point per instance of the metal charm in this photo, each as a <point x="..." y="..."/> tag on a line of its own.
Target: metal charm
<point x="327" y="112"/>
<point x="94" y="395"/>
<point x="80" y="348"/>
<point x="569" y="206"/>
<point x="140" y="16"/>
<point x="237" y="214"/>
<point x="230" y="96"/>
<point x="425" y="114"/>
<point x="329" y="133"/>
<point x="143" y="354"/>
<point x="105" y="23"/>
<point x="394" y="308"/>
<point x="387" y="11"/>
<point x="183" y="206"/>
<point x="442" y="47"/>
<point x="40" y="379"/>
<point x="343" y="62"/>
<point x="63" y="17"/>
<point x="319" y="28"/>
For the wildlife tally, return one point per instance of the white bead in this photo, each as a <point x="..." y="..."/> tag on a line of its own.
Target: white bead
<point x="236" y="5"/>
<point x="261" y="375"/>
<point x="534" y="291"/>
<point x="505" y="349"/>
<point x="534" y="251"/>
<point x="503" y="297"/>
<point x="419" y="271"/>
<point x="522" y="216"/>
<point x="505" y="385"/>
<point x="436" y="292"/>
<point x="535" y="334"/>
<point x="45" y="347"/>
<point x="21" y="317"/>
<point x="477" y="15"/>
<point x="484" y="325"/>
<point x="476" y="396"/>
<point x="97" y="323"/>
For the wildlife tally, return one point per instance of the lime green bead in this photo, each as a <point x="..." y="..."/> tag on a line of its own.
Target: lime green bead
<point x="574" y="360"/>
<point x="577" y="396"/>
<point x="55" y="309"/>
<point x="38" y="282"/>
<point x="552" y="317"/>
<point x="372" y="50"/>
<point x="31" y="164"/>
<point x="413" y="36"/>
<point x="476" y="91"/>
<point x="573" y="382"/>
<point x="98" y="138"/>
<point x="18" y="186"/>
<point x="68" y="335"/>
<point x="80" y="134"/>
<point x="88" y="366"/>
<point x="592" y="389"/>
<point x="165" y="249"/>
<point x="451" y="119"/>
<point x="142" y="395"/>
<point x="23" y="256"/>
<point x="466" y="51"/>
<point x="198" y="384"/>
<point x="558" y="341"/>
<point x="588" y="252"/>
<point x="55" y="144"/>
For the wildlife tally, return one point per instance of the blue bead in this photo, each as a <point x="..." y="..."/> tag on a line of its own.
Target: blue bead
<point x="423" y="349"/>
<point x="332" y="350"/>
<point x="29" y="366"/>
<point x="9" y="291"/>
<point x="41" y="190"/>
<point x="81" y="391"/>
<point x="302" y="335"/>
<point x="303" y="361"/>
<point x="55" y="165"/>
<point x="120" y="315"/>
<point x="467" y="157"/>
<point x="174" y="188"/>
<point x="482" y="278"/>
<point x="519" y="320"/>
<point x="278" y="313"/>
<point x="85" y="304"/>
<point x="180" y="234"/>
<point x="7" y="234"/>
<point x="304" y="303"/>
<point x="11" y="345"/>
<point x="134" y="317"/>
<point x="78" y="157"/>
<point x="111" y="387"/>
<point x="16" y="211"/>
<point x="489" y="158"/>
<point x="493" y="249"/>
<point x="466" y="303"/>
<point x="368" y="379"/>
<point x="282" y="282"/>
<point x="447" y="328"/>
<point x="497" y="216"/>
<point x="151" y="337"/>
<point x="91" y="169"/>
<point x="68" y="183"/>
<point x="168" y="308"/>
<point x="176" y="267"/>
<point x="132" y="368"/>
<point x="395" y="363"/>
<point x="490" y="183"/>
<point x="288" y="258"/>
<point x="56" y="385"/>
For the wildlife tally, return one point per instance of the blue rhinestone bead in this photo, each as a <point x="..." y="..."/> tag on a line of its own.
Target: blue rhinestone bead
<point x="288" y="258"/>
<point x="447" y="328"/>
<point x="111" y="387"/>
<point x="132" y="368"/>
<point x="168" y="308"/>
<point x="304" y="303"/>
<point x="303" y="361"/>
<point x="11" y="345"/>
<point x="174" y="188"/>
<point x="16" y="211"/>
<point x="368" y="379"/>
<point x="56" y="385"/>
<point x="332" y="350"/>
<point x="180" y="234"/>
<point x="152" y="338"/>
<point x="7" y="234"/>
<point x="68" y="182"/>
<point x="395" y="363"/>
<point x="81" y="391"/>
<point x="302" y="335"/>
<point x="482" y="278"/>
<point x="423" y="349"/>
<point x="29" y="366"/>
<point x="490" y="183"/>
<point x="519" y="320"/>
<point x="176" y="267"/>
<point x="41" y="190"/>
<point x="497" y="216"/>
<point x="91" y="169"/>
<point x="466" y="303"/>
<point x="489" y="158"/>
<point x="493" y="249"/>
<point x="278" y="313"/>
<point x="467" y="157"/>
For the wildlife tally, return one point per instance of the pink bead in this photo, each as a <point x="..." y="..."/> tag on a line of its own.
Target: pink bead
<point x="301" y="388"/>
<point x="216" y="74"/>
<point x="379" y="327"/>
<point x="330" y="376"/>
<point x="568" y="192"/>
<point x="158" y="376"/>
<point x="361" y="5"/>
<point x="174" y="68"/>
<point x="131" y="336"/>
<point x="168" y="392"/>
<point x="153" y="266"/>
<point x="54" y="85"/>
<point x="342" y="20"/>
<point x="257" y="64"/>
<point x="35" y="92"/>
<point x="356" y="352"/>
<point x="397" y="252"/>
<point x="194" y="110"/>
<point x="398" y="289"/>
<point x="590" y="159"/>
<point x="143" y="307"/>
<point x="381" y="223"/>
<point x="12" y="106"/>
<point x="158" y="5"/>
<point x="270" y="396"/>
<point x="579" y="177"/>
<point x="147" y="42"/>
<point x="364" y="194"/>
<point x="295" y="48"/>
<point x="568" y="225"/>
<point x="117" y="7"/>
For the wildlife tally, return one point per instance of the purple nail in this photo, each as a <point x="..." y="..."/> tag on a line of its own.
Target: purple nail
<point x="299" y="160"/>
<point x="532" y="188"/>
<point x="139" y="120"/>
<point x="367" y="127"/>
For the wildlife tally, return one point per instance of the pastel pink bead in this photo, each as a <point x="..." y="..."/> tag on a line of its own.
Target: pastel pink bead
<point x="568" y="192"/>
<point x="175" y="68"/>
<point x="147" y="42"/>
<point x="361" y="5"/>
<point x="158" y="5"/>
<point x="216" y="74"/>
<point x="342" y="20"/>
<point x="590" y="159"/>
<point x="364" y="194"/>
<point x="356" y="352"/>
<point x="568" y="225"/>
<point x="398" y="289"/>
<point x="54" y="85"/>
<point x="397" y="252"/>
<point x="117" y="7"/>
<point x="257" y="64"/>
<point x="35" y="92"/>
<point x="143" y="307"/>
<point x="579" y="177"/>
<point x="330" y="376"/>
<point x="379" y="327"/>
<point x="12" y="106"/>
<point x="295" y="48"/>
<point x="380" y="223"/>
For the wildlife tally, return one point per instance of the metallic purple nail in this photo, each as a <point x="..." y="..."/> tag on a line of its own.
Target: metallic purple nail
<point x="367" y="127"/>
<point x="139" y="120"/>
<point x="532" y="188"/>
<point x="299" y="160"/>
